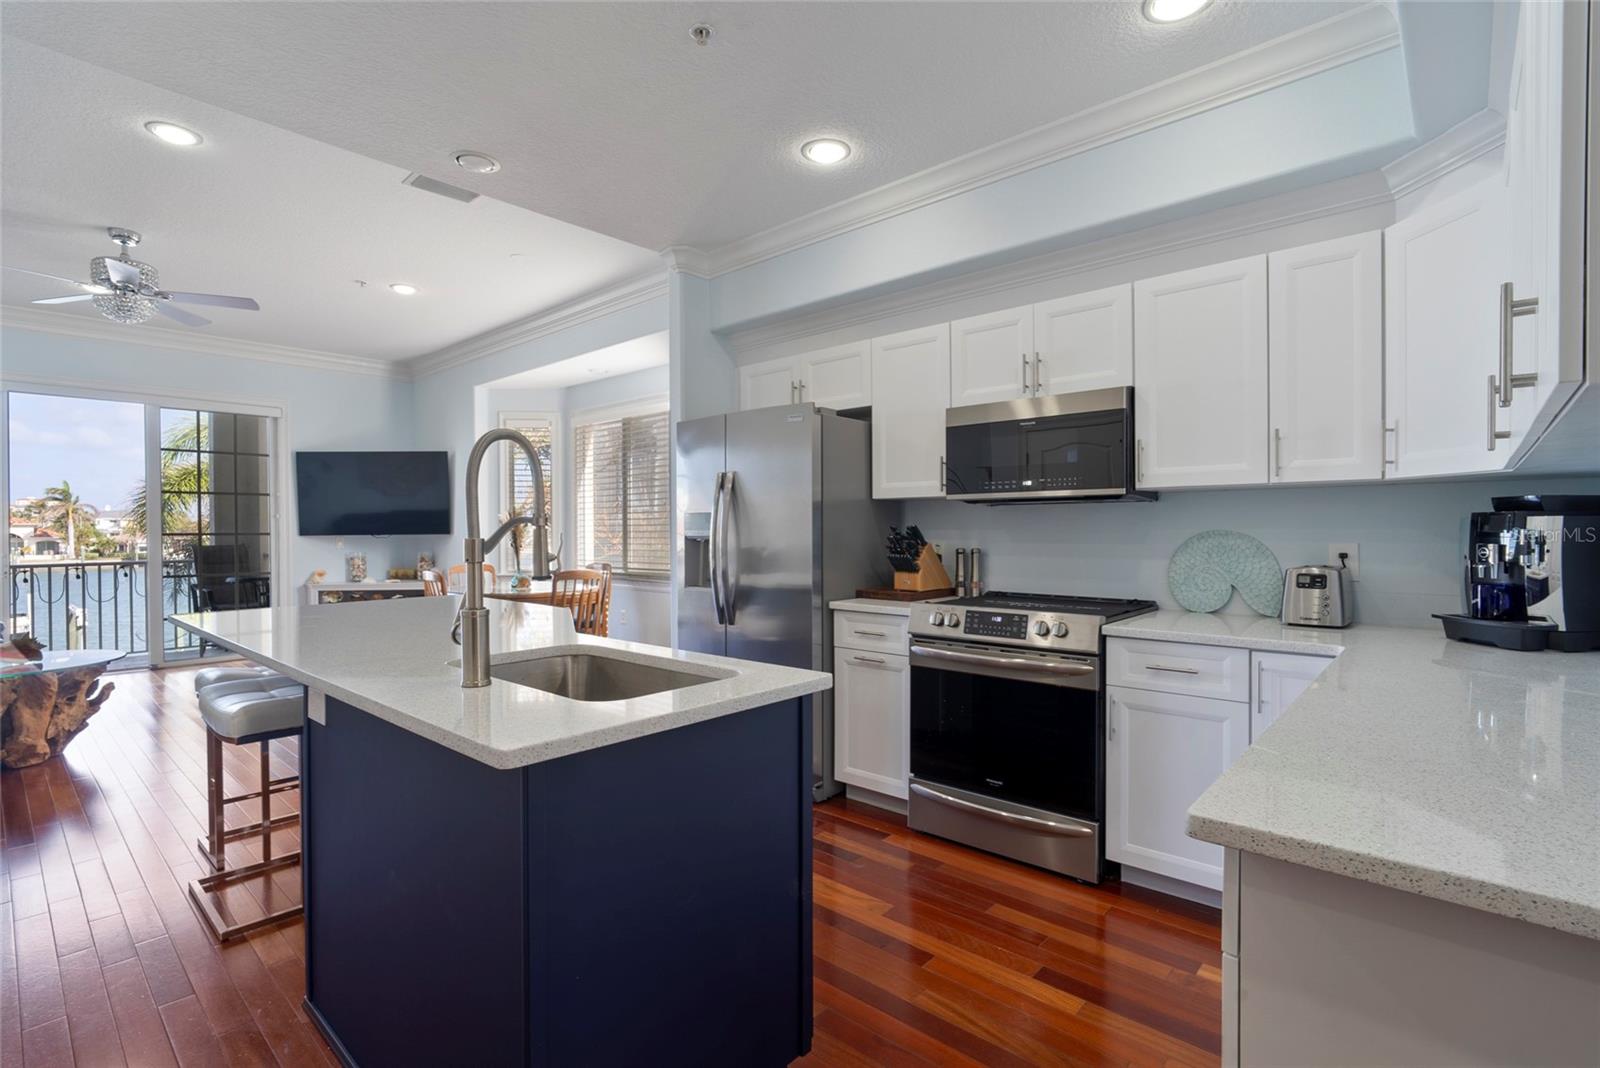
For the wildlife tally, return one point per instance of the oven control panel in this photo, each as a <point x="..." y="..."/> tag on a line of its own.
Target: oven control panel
<point x="983" y="624"/>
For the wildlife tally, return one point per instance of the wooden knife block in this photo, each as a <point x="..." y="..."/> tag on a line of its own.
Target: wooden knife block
<point x="930" y="573"/>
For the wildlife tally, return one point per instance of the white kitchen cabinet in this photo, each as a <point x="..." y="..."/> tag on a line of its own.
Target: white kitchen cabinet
<point x="1162" y="751"/>
<point x="1325" y="359"/>
<point x="1442" y="267"/>
<point x="991" y="357"/>
<point x="871" y="720"/>
<point x="1545" y="140"/>
<point x="1279" y="678"/>
<point x="910" y="392"/>
<point x="769" y="384"/>
<point x="1200" y="376"/>
<point x="839" y="377"/>
<point x="1084" y="341"/>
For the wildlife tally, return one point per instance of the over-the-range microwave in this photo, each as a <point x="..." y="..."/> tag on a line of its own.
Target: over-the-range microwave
<point x="1071" y="446"/>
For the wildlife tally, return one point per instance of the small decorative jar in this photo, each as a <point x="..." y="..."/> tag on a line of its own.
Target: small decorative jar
<point x="355" y="567"/>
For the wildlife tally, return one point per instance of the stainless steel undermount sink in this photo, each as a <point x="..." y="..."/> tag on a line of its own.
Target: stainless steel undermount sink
<point x="591" y="677"/>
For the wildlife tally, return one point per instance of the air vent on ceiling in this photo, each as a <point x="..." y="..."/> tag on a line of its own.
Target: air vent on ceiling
<point x="444" y="189"/>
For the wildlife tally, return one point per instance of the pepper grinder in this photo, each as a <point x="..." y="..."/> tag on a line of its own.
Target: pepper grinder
<point x="975" y="572"/>
<point x="961" y="572"/>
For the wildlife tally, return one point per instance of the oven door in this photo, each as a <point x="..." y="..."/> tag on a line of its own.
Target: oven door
<point x="1017" y="725"/>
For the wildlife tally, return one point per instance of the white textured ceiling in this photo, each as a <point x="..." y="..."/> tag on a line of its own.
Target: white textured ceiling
<point x="638" y="354"/>
<point x="261" y="212"/>
<point x="607" y="115"/>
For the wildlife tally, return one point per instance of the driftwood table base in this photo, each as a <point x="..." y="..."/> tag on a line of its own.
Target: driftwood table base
<point x="40" y="713"/>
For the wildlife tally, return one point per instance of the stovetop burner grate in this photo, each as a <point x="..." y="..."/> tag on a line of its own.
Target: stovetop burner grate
<point x="1107" y="607"/>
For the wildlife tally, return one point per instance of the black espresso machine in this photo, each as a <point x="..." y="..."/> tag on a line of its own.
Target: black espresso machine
<point x="1533" y="575"/>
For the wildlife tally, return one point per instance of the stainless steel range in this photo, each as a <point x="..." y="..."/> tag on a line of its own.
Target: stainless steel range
<point x="1008" y="725"/>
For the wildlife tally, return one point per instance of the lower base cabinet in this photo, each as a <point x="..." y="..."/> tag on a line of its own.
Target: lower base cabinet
<point x="871" y="703"/>
<point x="1162" y="751"/>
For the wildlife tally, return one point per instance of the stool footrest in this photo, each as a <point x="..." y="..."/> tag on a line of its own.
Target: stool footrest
<point x="277" y="786"/>
<point x="203" y="892"/>
<point x="234" y="834"/>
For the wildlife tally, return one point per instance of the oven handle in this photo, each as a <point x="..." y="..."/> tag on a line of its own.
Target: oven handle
<point x="1018" y="663"/>
<point x="1066" y="830"/>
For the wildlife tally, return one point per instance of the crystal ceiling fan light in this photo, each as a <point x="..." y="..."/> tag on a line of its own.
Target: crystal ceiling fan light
<point x="125" y="303"/>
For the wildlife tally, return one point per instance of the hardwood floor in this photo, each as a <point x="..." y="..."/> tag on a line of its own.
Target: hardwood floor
<point x="926" y="953"/>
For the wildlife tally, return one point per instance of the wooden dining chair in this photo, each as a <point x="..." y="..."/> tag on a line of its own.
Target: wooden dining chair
<point x="605" y="597"/>
<point x="434" y="583"/>
<point x="456" y="578"/>
<point x="580" y="590"/>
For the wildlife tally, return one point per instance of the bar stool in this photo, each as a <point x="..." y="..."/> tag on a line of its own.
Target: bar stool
<point x="244" y="710"/>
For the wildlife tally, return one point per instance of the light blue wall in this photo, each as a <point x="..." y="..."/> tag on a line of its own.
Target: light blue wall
<point x="1329" y="125"/>
<point x="323" y="409"/>
<point x="1409" y="537"/>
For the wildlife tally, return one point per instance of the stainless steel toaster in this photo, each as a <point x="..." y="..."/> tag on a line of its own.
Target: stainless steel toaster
<point x="1315" y="596"/>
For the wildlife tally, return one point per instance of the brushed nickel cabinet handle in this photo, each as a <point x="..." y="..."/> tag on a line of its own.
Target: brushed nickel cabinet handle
<point x="1494" y="435"/>
<point x="1383" y="444"/>
<point x="872" y="633"/>
<point x="1511" y="309"/>
<point x="1173" y="670"/>
<point x="1026" y="389"/>
<point x="1277" y="452"/>
<point x="867" y="660"/>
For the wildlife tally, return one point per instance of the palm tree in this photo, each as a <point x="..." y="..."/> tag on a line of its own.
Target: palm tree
<point x="180" y="481"/>
<point x="61" y="507"/>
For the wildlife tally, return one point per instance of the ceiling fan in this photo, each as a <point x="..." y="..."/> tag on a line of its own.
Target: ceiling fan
<point x="127" y="291"/>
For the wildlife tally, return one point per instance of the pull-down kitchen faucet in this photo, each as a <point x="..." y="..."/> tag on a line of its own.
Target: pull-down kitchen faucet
<point x="472" y="622"/>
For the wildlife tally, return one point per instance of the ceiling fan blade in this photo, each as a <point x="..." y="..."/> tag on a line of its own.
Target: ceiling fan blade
<point x="87" y="286"/>
<point x="122" y="273"/>
<point x="184" y="317"/>
<point x="214" y="298"/>
<point x="64" y="300"/>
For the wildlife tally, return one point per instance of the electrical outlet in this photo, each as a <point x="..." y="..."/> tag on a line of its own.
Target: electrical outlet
<point x="1352" y="558"/>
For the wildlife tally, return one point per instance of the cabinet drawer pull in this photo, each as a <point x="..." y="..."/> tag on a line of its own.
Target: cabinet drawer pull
<point x="871" y="633"/>
<point x="866" y="660"/>
<point x="1173" y="670"/>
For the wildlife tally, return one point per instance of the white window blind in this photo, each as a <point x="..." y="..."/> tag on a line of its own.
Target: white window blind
<point x="621" y="476"/>
<point x="517" y="492"/>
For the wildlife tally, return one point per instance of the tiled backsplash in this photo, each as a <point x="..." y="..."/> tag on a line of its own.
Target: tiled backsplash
<point x="1410" y="538"/>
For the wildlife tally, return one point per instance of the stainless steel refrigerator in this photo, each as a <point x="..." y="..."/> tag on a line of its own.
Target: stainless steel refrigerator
<point x="775" y="519"/>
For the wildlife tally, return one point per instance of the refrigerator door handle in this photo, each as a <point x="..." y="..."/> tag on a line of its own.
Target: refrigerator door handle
<point x="730" y="585"/>
<point x="717" y="548"/>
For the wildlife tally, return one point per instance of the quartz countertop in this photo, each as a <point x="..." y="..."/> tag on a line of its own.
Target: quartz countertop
<point x="1460" y="772"/>
<point x="395" y="660"/>
<point x="877" y="605"/>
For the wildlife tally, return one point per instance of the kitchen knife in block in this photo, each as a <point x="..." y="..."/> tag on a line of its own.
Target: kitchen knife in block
<point x="929" y="575"/>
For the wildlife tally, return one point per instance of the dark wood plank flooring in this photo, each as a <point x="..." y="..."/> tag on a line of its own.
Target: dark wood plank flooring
<point x="926" y="953"/>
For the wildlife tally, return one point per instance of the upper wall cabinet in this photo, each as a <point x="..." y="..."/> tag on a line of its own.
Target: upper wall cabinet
<point x="837" y="377"/>
<point x="1441" y="336"/>
<point x="911" y="389"/>
<point x="1083" y="342"/>
<point x="1541" y="291"/>
<point x="991" y="357"/>
<point x="1200" y="376"/>
<point x="1325" y="344"/>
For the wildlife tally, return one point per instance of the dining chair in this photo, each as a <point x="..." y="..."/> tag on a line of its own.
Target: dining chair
<point x="580" y="590"/>
<point x="456" y="577"/>
<point x="433" y="582"/>
<point x="605" y="596"/>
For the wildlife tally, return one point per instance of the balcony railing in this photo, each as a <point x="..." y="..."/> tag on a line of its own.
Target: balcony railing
<point x="99" y="604"/>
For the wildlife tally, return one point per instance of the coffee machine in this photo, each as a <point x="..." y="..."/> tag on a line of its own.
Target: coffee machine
<point x="1532" y="576"/>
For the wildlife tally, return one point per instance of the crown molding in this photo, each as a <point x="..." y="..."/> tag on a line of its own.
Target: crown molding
<point x="1357" y="193"/>
<point x="1456" y="147"/>
<point x="1358" y="33"/>
<point x="70" y="325"/>
<point x="682" y="259"/>
<point x="584" y="309"/>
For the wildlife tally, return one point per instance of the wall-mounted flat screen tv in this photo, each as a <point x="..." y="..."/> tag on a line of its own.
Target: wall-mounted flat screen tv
<point x="373" y="492"/>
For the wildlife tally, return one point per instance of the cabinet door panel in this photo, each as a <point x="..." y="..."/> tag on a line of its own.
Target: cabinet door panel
<point x="1326" y="360"/>
<point x="871" y="733"/>
<point x="1200" y="375"/>
<point x="1279" y="678"/>
<point x="991" y="357"/>
<point x="1084" y="341"/>
<point x="838" y="377"/>
<point x="910" y="392"/>
<point x="767" y="385"/>
<point x="1162" y="752"/>
<point x="1441" y="330"/>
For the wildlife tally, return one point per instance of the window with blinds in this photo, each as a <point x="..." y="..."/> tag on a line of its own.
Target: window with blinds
<point x="517" y="493"/>
<point x="621" y="492"/>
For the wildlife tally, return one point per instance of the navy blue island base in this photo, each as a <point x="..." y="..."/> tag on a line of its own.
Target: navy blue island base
<point x="644" y="903"/>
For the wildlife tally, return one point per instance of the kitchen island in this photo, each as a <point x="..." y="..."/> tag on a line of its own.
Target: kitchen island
<point x="606" y="863"/>
<point x="1412" y="872"/>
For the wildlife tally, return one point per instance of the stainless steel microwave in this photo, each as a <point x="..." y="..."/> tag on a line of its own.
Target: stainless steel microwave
<point x="1071" y="446"/>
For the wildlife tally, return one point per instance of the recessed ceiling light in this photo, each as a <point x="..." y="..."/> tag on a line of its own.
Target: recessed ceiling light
<point x="825" y="151"/>
<point x="1172" y="10"/>
<point x="477" y="162"/>
<point x="173" y="134"/>
<point x="403" y="289"/>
